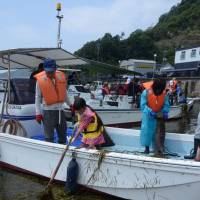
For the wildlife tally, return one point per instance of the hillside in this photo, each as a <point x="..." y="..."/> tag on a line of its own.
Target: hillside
<point x="180" y="27"/>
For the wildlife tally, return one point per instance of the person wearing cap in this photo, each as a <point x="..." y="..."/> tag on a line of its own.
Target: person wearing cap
<point x="51" y="92"/>
<point x="105" y="89"/>
<point x="195" y="154"/>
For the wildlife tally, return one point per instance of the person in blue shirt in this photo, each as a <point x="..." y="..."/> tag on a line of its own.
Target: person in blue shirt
<point x="154" y="101"/>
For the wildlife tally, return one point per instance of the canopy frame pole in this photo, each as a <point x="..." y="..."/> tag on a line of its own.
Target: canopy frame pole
<point x="9" y="84"/>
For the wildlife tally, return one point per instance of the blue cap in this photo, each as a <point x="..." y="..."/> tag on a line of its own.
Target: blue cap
<point x="49" y="65"/>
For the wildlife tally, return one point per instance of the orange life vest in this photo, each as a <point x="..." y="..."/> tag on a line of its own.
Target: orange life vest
<point x="155" y="102"/>
<point x="52" y="93"/>
<point x="92" y="130"/>
<point x="147" y="85"/>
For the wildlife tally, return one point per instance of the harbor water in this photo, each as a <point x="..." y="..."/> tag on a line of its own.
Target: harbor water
<point x="18" y="186"/>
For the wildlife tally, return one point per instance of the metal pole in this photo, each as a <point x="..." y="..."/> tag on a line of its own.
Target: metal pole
<point x="154" y="67"/>
<point x="59" y="17"/>
<point x="9" y="86"/>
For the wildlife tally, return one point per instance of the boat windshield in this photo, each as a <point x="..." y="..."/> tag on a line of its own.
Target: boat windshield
<point x="22" y="91"/>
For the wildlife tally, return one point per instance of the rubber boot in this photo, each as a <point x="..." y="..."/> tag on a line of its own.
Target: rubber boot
<point x="193" y="154"/>
<point x="146" y="150"/>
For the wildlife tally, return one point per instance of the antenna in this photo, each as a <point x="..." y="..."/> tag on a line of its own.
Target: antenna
<point x="59" y="17"/>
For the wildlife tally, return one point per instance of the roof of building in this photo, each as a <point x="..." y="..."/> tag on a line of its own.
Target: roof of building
<point x="132" y="61"/>
<point x="186" y="48"/>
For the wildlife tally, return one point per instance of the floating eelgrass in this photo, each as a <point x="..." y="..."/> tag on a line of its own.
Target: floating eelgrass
<point x="47" y="193"/>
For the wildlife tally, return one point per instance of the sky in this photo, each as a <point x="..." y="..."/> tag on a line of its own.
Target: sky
<point x="33" y="23"/>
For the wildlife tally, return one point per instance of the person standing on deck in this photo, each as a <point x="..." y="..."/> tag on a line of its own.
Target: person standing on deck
<point x="51" y="91"/>
<point x="195" y="154"/>
<point x="173" y="91"/>
<point x="153" y="101"/>
<point x="105" y="89"/>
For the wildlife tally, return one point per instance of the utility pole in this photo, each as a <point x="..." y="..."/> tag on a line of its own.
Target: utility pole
<point x="59" y="17"/>
<point x="154" y="68"/>
<point x="98" y="51"/>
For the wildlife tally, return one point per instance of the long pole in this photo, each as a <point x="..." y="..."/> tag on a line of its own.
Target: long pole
<point x="59" y="17"/>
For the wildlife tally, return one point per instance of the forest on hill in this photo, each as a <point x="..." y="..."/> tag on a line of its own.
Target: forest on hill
<point x="180" y="27"/>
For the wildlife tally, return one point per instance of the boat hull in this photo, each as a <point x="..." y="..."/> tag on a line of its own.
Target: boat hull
<point x="25" y="116"/>
<point x="120" y="174"/>
<point x="128" y="117"/>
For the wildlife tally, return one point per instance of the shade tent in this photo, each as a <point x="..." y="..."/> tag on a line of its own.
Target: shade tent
<point x="29" y="58"/>
<point x="32" y="57"/>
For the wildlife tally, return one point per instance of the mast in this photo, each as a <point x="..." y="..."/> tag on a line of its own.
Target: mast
<point x="59" y="17"/>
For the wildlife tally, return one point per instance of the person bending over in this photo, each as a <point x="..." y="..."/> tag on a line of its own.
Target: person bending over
<point x="89" y="125"/>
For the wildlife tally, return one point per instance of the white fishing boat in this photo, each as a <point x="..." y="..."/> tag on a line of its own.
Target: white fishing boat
<point x="17" y="94"/>
<point x="117" y="110"/>
<point x="121" y="170"/>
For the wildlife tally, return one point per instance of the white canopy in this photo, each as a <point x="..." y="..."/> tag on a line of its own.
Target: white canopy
<point x="32" y="57"/>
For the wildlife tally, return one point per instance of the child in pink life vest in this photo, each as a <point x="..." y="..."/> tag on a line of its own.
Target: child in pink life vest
<point x="88" y="125"/>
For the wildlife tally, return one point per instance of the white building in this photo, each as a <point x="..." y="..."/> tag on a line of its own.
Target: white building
<point x="187" y="58"/>
<point x="141" y="66"/>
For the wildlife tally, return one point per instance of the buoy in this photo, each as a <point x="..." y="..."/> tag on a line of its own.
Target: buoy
<point x="72" y="175"/>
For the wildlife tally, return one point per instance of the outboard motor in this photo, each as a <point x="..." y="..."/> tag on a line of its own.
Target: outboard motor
<point x="72" y="175"/>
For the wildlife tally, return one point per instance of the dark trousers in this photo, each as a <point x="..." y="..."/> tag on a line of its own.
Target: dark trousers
<point x="51" y="122"/>
<point x="160" y="136"/>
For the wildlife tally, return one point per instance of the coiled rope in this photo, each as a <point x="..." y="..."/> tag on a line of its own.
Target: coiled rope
<point x="11" y="126"/>
<point x="14" y="127"/>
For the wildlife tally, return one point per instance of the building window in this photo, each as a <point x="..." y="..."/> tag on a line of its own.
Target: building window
<point x="193" y="53"/>
<point x="182" y="55"/>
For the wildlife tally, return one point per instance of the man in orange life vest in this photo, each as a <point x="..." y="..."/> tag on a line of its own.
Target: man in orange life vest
<point x="51" y="91"/>
<point x="153" y="101"/>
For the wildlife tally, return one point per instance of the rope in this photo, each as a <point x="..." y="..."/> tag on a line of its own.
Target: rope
<point x="82" y="190"/>
<point x="14" y="127"/>
<point x="102" y="155"/>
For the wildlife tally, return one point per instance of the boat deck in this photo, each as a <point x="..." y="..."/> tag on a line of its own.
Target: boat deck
<point x="126" y="149"/>
<point x="139" y="151"/>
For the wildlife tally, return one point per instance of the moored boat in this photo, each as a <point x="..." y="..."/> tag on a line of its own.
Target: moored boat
<point x="121" y="170"/>
<point x="117" y="110"/>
